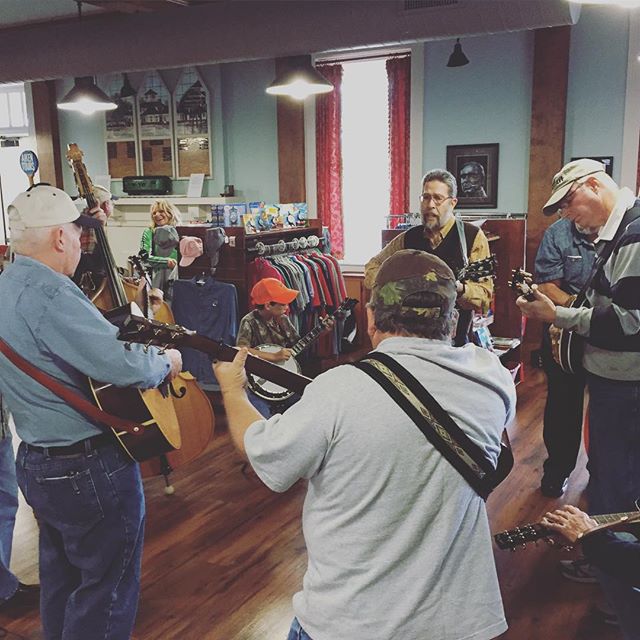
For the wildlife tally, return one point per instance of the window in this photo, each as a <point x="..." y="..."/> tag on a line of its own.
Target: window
<point x="365" y="157"/>
<point x="14" y="120"/>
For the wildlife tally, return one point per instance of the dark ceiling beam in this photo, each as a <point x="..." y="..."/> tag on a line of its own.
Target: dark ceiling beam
<point x="216" y="32"/>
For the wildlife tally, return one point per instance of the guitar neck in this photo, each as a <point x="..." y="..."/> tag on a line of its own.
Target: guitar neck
<point x="257" y="366"/>
<point x="531" y="532"/>
<point x="614" y="518"/>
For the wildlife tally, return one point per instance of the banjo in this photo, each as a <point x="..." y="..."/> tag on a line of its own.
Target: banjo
<point x="268" y="390"/>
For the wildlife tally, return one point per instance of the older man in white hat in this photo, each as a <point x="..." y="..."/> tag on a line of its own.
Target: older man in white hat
<point x="85" y="491"/>
<point x="609" y="322"/>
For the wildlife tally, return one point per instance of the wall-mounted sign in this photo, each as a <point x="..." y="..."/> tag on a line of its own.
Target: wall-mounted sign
<point x="29" y="164"/>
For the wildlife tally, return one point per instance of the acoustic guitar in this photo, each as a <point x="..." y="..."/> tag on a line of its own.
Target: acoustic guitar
<point x="273" y="392"/>
<point x="567" y="347"/>
<point x="520" y="536"/>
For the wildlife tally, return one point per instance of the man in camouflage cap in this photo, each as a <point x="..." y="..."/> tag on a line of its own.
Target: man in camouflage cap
<point x="414" y="292"/>
<point x="383" y="505"/>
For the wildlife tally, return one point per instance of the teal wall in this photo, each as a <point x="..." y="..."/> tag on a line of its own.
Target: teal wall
<point x="597" y="85"/>
<point x="244" y="131"/>
<point x="250" y="129"/>
<point x="486" y="101"/>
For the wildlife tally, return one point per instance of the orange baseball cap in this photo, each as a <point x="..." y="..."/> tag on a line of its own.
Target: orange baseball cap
<point x="272" y="290"/>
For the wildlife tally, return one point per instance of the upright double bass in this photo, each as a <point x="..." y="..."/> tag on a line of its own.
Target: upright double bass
<point x="107" y="289"/>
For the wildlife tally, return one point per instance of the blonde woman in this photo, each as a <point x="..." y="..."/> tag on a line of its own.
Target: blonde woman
<point x="160" y="242"/>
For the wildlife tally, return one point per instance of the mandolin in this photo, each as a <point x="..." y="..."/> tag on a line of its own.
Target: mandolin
<point x="520" y="536"/>
<point x="567" y="347"/>
<point x="268" y="390"/>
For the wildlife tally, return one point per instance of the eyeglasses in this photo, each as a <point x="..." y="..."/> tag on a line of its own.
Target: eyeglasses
<point x="437" y="198"/>
<point x="565" y="203"/>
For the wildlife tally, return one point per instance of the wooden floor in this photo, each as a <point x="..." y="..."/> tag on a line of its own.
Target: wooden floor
<point x="224" y="555"/>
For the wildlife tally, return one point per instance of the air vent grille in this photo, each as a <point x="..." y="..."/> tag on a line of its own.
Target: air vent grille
<point x="413" y="5"/>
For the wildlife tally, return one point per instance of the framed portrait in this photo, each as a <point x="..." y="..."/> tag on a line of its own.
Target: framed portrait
<point x="475" y="167"/>
<point x="607" y="161"/>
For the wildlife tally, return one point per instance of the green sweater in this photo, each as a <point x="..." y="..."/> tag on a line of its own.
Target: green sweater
<point x="154" y="261"/>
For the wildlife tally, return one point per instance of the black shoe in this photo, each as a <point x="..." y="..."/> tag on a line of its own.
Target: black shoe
<point x="553" y="487"/>
<point x="25" y="597"/>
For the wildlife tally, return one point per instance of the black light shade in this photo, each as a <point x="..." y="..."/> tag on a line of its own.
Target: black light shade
<point x="127" y="90"/>
<point x="457" y="58"/>
<point x="300" y="80"/>
<point x="86" y="97"/>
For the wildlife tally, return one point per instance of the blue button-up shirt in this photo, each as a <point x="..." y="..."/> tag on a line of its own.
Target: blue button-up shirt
<point x="566" y="255"/>
<point x="47" y="320"/>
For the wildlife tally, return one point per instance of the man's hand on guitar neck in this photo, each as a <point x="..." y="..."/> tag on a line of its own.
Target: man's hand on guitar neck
<point x="175" y="358"/>
<point x="570" y="522"/>
<point x="542" y="308"/>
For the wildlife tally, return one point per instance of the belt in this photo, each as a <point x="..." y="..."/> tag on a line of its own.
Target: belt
<point x="83" y="446"/>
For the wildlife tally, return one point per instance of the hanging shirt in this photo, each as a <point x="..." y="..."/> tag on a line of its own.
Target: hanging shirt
<point x="211" y="309"/>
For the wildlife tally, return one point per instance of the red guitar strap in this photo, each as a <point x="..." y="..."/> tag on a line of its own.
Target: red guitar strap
<point x="77" y="402"/>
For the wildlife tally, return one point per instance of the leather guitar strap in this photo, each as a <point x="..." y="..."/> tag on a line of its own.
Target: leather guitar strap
<point x="435" y="423"/>
<point x="79" y="403"/>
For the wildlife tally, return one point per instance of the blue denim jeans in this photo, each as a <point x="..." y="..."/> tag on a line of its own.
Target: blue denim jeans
<point x="8" y="509"/>
<point x="296" y="632"/>
<point x="614" y="445"/>
<point x="90" y="508"/>
<point x="614" y="475"/>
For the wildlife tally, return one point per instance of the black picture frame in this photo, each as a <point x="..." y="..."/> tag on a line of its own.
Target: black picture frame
<point x="607" y="161"/>
<point x="475" y="167"/>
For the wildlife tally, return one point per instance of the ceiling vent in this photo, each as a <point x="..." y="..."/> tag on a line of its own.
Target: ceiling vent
<point x="413" y="5"/>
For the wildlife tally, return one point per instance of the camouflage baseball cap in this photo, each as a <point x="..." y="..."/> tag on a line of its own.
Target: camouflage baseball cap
<point x="408" y="272"/>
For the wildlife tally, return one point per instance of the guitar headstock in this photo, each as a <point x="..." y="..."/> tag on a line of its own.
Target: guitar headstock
<point x="141" y="330"/>
<point x="521" y="282"/>
<point x="80" y="174"/>
<point x="346" y="306"/>
<point x="520" y="536"/>
<point x="474" y="271"/>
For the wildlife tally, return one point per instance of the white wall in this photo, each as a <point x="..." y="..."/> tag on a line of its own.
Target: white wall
<point x="12" y="178"/>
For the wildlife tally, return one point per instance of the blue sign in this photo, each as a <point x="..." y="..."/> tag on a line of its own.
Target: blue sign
<point x="29" y="162"/>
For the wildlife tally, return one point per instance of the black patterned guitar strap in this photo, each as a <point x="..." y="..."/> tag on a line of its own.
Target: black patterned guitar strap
<point x="435" y="423"/>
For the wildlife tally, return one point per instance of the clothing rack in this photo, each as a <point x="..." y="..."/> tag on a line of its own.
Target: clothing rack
<point x="242" y="249"/>
<point x="281" y="247"/>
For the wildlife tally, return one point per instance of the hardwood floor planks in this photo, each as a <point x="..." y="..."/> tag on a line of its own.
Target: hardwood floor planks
<point x="224" y="555"/>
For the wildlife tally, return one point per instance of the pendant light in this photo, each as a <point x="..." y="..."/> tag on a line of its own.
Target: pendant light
<point x="299" y="80"/>
<point x="86" y="97"/>
<point x="457" y="58"/>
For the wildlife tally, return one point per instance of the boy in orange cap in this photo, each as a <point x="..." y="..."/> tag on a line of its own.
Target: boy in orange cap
<point x="268" y="322"/>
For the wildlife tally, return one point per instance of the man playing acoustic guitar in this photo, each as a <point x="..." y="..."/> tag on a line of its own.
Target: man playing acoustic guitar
<point x="610" y="324"/>
<point x="84" y="489"/>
